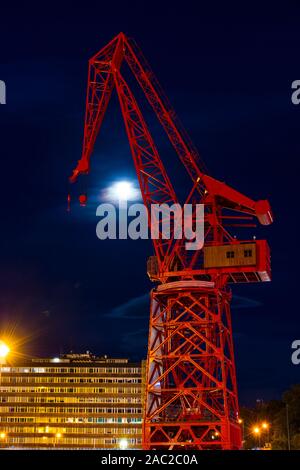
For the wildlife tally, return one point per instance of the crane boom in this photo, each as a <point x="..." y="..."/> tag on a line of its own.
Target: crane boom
<point x="100" y="79"/>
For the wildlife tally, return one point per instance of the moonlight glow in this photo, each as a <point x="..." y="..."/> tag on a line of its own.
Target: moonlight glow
<point x="122" y="191"/>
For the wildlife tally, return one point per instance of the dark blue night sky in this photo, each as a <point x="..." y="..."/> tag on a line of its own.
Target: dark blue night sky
<point x="228" y="74"/>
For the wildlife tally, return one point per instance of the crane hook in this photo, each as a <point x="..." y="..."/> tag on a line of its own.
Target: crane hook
<point x="83" y="200"/>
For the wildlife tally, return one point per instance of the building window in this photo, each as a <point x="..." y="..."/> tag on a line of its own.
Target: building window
<point x="247" y="253"/>
<point x="230" y="254"/>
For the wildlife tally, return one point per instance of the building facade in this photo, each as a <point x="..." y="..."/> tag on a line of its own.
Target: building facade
<point x="72" y="401"/>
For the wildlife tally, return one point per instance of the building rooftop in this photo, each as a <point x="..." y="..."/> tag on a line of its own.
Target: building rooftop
<point x="72" y="358"/>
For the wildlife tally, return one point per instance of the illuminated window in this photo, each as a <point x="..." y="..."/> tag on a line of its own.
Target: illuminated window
<point x="247" y="253"/>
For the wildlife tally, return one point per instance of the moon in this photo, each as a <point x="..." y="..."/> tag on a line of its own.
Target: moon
<point x="123" y="191"/>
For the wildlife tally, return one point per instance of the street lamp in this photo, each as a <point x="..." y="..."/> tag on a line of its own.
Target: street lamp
<point x="266" y="427"/>
<point x="241" y="422"/>
<point x="4" y="350"/>
<point x="58" y="435"/>
<point x="2" y="437"/>
<point x="256" y="432"/>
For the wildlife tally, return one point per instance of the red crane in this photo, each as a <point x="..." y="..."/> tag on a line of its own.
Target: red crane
<point x="191" y="391"/>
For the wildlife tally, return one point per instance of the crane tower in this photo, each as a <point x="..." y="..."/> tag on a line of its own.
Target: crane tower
<point x="191" y="389"/>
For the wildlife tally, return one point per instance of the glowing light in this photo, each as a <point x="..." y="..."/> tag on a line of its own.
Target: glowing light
<point x="240" y="421"/>
<point x="58" y="435"/>
<point x="2" y="435"/>
<point x="55" y="359"/>
<point x="4" y="349"/>
<point x="256" y="430"/>
<point x="123" y="444"/>
<point x="265" y="425"/>
<point x="122" y="191"/>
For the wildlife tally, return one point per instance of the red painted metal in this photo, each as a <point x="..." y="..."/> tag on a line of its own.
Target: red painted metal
<point x="191" y="392"/>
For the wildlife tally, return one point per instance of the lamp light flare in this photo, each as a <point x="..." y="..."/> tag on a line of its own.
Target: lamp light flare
<point x="4" y="349"/>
